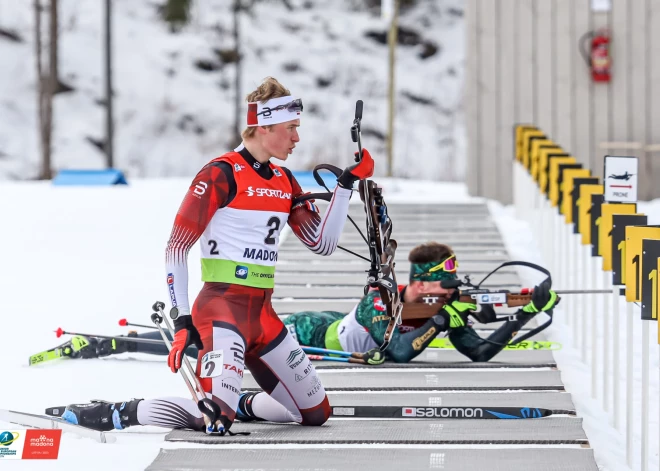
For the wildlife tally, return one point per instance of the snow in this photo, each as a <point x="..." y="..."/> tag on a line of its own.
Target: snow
<point x="163" y="102"/>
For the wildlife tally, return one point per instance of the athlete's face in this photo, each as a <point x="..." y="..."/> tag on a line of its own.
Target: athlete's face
<point x="418" y="289"/>
<point x="281" y="139"/>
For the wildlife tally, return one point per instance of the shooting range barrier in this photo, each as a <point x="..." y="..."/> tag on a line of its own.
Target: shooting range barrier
<point x="594" y="237"/>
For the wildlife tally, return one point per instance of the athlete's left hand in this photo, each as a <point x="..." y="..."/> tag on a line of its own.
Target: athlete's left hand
<point x="374" y="357"/>
<point x="359" y="171"/>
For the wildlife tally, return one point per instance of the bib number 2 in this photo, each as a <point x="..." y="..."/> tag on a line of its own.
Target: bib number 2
<point x="274" y="225"/>
<point x="212" y="364"/>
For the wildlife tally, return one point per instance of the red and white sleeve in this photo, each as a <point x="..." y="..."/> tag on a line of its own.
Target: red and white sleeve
<point x="321" y="234"/>
<point x="208" y="192"/>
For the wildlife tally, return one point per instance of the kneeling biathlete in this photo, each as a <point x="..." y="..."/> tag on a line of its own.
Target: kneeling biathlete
<point x="236" y="206"/>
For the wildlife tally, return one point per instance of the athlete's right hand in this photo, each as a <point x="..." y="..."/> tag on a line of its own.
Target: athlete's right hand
<point x="185" y="334"/>
<point x="359" y="171"/>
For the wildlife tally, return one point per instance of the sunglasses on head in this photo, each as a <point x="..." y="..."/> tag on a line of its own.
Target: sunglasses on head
<point x="293" y="106"/>
<point x="449" y="265"/>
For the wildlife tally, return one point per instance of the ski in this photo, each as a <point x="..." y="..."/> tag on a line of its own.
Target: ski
<point x="445" y="343"/>
<point x="428" y="412"/>
<point x="67" y="349"/>
<point x="52" y="422"/>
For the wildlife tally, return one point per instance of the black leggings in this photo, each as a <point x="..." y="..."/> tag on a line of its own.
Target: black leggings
<point x="160" y="349"/>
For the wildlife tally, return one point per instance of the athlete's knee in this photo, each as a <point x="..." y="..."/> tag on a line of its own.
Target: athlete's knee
<point x="317" y="415"/>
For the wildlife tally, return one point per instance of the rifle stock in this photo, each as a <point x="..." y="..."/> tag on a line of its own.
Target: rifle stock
<point x="424" y="310"/>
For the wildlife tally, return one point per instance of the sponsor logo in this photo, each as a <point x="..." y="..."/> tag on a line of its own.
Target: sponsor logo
<point x="380" y="318"/>
<point x="256" y="165"/>
<point x="260" y="254"/>
<point x="268" y="192"/>
<point x="200" y="188"/>
<point x="241" y="272"/>
<point x="41" y="444"/>
<point x="419" y="341"/>
<point x="277" y="173"/>
<point x="238" y="353"/>
<point x="305" y="373"/>
<point x="316" y="386"/>
<point x="7" y="438"/>
<point x="228" y="386"/>
<point x="484" y="298"/>
<point x="170" y="284"/>
<point x="238" y="371"/>
<point x="378" y="305"/>
<point x="238" y="167"/>
<point x="408" y="412"/>
<point x="293" y="360"/>
<point x="443" y="412"/>
<point x="430" y="299"/>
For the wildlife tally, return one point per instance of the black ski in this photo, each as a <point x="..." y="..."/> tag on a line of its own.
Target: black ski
<point x="429" y="412"/>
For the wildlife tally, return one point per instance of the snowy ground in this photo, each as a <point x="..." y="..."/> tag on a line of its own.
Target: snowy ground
<point x="102" y="260"/>
<point x="171" y="117"/>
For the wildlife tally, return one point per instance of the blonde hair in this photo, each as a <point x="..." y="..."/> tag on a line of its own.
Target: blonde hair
<point x="269" y="88"/>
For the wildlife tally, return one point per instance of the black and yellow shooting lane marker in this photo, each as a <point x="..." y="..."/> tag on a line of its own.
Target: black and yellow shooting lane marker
<point x="607" y="211"/>
<point x="619" y="224"/>
<point x="528" y="136"/>
<point x="556" y="166"/>
<point x="519" y="131"/>
<point x="575" y="198"/>
<point x="633" y="278"/>
<point x="566" y="188"/>
<point x="539" y="145"/>
<point x="544" y="168"/>
<point x="649" y="278"/>
<point x="584" y="209"/>
<point x="594" y="216"/>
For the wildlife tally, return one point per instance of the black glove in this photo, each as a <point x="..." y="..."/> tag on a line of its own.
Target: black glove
<point x="543" y="299"/>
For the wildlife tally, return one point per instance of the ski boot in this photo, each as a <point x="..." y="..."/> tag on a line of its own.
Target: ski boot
<point x="244" y="411"/>
<point x="106" y="347"/>
<point x="103" y="416"/>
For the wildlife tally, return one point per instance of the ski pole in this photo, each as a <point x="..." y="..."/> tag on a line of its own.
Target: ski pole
<point x="361" y="358"/>
<point x="124" y="323"/>
<point x="209" y="409"/>
<point x="157" y="320"/>
<point x="59" y="332"/>
<point x="340" y="359"/>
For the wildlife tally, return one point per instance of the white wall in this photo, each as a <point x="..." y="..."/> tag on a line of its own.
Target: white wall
<point x="523" y="65"/>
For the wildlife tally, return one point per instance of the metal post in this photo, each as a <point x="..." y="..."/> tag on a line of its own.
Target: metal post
<point x="392" y="41"/>
<point x="109" y="127"/>
<point x="645" y="395"/>
<point x="606" y="344"/>
<point x="587" y="282"/>
<point x="616" y="338"/>
<point x="594" y="332"/>
<point x="629" y="384"/>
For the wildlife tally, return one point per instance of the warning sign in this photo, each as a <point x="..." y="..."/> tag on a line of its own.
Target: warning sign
<point x="620" y="179"/>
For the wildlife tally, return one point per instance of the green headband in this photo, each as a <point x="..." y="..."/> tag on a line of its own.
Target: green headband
<point x="420" y="272"/>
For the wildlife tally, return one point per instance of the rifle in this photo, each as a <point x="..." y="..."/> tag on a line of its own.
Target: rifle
<point x="382" y="248"/>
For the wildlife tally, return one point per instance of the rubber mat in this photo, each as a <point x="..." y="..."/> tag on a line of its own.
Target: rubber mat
<point x="437" y="358"/>
<point x="549" y="430"/>
<point x="555" y="401"/>
<point x="435" y="380"/>
<point x="319" y="459"/>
